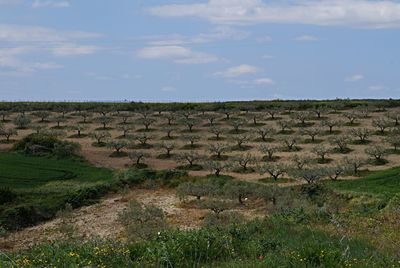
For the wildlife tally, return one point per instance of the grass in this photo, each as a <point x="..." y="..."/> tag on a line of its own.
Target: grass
<point x="19" y="171"/>
<point x="383" y="183"/>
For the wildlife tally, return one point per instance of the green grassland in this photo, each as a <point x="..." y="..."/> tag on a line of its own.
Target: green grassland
<point x="24" y="172"/>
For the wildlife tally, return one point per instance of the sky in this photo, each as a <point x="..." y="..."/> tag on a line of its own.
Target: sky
<point x="207" y="50"/>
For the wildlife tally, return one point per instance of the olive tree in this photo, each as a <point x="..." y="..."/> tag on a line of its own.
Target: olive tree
<point x="342" y="142"/>
<point x="361" y="133"/>
<point x="285" y="125"/>
<point x="322" y="152"/>
<point x="355" y="163"/>
<point x="125" y="129"/>
<point x="192" y="139"/>
<point x="218" y="149"/>
<point x="58" y="120"/>
<point x="137" y="157"/>
<point x="100" y="136"/>
<point x="265" y="133"/>
<point x="236" y="125"/>
<point x="351" y="116"/>
<point x="301" y="161"/>
<point x="42" y="115"/>
<point x="171" y="117"/>
<point x="118" y="145"/>
<point x="104" y="121"/>
<point x="311" y="176"/>
<point x="168" y="148"/>
<point x="217" y="167"/>
<point x="382" y="124"/>
<point x="394" y="116"/>
<point x="79" y="129"/>
<point x="274" y="170"/>
<point x="146" y="122"/>
<point x="336" y="171"/>
<point x="331" y="124"/>
<point x="290" y="142"/>
<point x="377" y="152"/>
<point x="312" y="132"/>
<point x="301" y="117"/>
<point x="217" y="131"/>
<point x="239" y="190"/>
<point x="244" y="160"/>
<point x="143" y="140"/>
<point x="190" y="158"/>
<point x="21" y="121"/>
<point x="168" y="131"/>
<point x="240" y="141"/>
<point x="394" y="140"/>
<point x="8" y="133"/>
<point x="269" y="151"/>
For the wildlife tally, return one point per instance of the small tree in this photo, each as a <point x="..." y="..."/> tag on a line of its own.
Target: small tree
<point x="168" y="131"/>
<point x="104" y="121"/>
<point x="394" y="116"/>
<point x="21" y="121"/>
<point x="240" y="141"/>
<point x="125" y="129"/>
<point x="236" y="125"/>
<point x="211" y="119"/>
<point x="170" y="118"/>
<point x="244" y="160"/>
<point x="137" y="157"/>
<point x="269" y="151"/>
<point x="217" y="167"/>
<point x="100" y="136"/>
<point x="118" y="145"/>
<point x="301" y="117"/>
<point x="217" y="131"/>
<point x="265" y="133"/>
<point x="58" y="120"/>
<point x="146" y="122"/>
<point x="336" y="171"/>
<point x="143" y="140"/>
<point x="192" y="139"/>
<point x="311" y="176"/>
<point x="382" y="124"/>
<point x="361" y="133"/>
<point x="301" y="161"/>
<point x="273" y="112"/>
<point x="342" y="142"/>
<point x="355" y="163"/>
<point x="79" y="129"/>
<point x="190" y="158"/>
<point x="42" y="115"/>
<point x="312" y="132"/>
<point x="394" y="140"/>
<point x="239" y="190"/>
<point x="290" y="142"/>
<point x="190" y="123"/>
<point x="218" y="149"/>
<point x="321" y="151"/>
<point x="168" y="148"/>
<point x="377" y="152"/>
<point x="331" y="124"/>
<point x="8" y="133"/>
<point x="4" y="115"/>
<point x="285" y="125"/>
<point x="85" y="116"/>
<point x="274" y="170"/>
<point x="124" y="116"/>
<point x="351" y="117"/>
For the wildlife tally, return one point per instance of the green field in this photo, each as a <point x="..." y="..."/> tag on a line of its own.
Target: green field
<point x="26" y="172"/>
<point x="382" y="183"/>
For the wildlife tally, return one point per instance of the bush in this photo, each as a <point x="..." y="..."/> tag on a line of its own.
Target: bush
<point x="7" y="196"/>
<point x="39" y="144"/>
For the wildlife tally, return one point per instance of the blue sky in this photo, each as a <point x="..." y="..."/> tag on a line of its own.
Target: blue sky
<point x="216" y="50"/>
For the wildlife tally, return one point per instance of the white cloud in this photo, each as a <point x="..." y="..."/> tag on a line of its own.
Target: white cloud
<point x="267" y="56"/>
<point x="307" y="38"/>
<point x="350" y="13"/>
<point x="168" y="89"/>
<point x="354" y="78"/>
<point x="178" y="54"/>
<point x="264" y="39"/>
<point x="50" y="3"/>
<point x="217" y="34"/>
<point x="258" y="82"/>
<point x="73" y="50"/>
<point x="238" y="71"/>
<point x="377" y="88"/>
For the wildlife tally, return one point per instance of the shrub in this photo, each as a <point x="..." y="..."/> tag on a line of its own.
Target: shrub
<point x="7" y="196"/>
